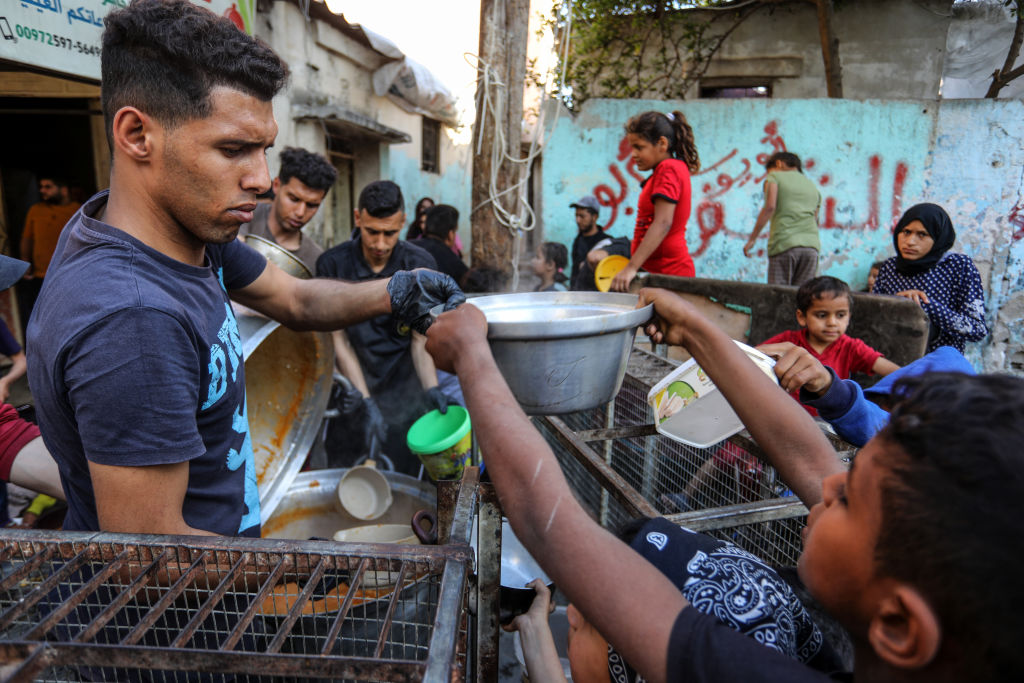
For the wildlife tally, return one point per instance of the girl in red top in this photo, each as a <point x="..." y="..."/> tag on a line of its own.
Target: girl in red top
<point x="662" y="144"/>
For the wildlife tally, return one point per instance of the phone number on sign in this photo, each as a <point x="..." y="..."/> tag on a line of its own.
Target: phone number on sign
<point x="48" y="38"/>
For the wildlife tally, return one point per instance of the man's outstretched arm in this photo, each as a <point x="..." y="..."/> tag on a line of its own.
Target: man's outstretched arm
<point x="791" y="441"/>
<point x="587" y="562"/>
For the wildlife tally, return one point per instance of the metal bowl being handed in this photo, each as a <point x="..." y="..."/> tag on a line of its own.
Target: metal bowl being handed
<point x="561" y="352"/>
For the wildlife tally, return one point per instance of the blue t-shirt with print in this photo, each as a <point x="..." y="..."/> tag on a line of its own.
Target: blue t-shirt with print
<point x="135" y="359"/>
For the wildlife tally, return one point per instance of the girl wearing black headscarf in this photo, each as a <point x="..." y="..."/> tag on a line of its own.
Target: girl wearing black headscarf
<point x="946" y="285"/>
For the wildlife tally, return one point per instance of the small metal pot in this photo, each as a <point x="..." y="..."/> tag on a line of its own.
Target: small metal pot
<point x="518" y="570"/>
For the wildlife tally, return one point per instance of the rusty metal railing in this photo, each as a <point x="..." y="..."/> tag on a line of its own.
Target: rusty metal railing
<point x="84" y="606"/>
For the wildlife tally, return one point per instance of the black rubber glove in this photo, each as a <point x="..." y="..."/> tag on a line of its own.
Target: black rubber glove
<point x="375" y="425"/>
<point x="414" y="292"/>
<point x="437" y="399"/>
<point x="349" y="399"/>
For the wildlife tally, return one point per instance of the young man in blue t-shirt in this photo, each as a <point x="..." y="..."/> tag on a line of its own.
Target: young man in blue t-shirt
<point x="135" y="359"/>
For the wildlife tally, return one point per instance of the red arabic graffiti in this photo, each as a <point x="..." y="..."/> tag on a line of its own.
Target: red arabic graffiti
<point x="733" y="171"/>
<point x="1016" y="219"/>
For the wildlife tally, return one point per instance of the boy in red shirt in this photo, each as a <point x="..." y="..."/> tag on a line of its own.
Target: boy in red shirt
<point x="823" y="312"/>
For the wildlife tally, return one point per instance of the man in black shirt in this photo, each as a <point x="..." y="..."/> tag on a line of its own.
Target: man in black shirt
<point x="439" y="238"/>
<point x="590" y="233"/>
<point x="389" y="366"/>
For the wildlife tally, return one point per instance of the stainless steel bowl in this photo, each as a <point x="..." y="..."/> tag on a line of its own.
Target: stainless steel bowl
<point x="561" y="352"/>
<point x="281" y="257"/>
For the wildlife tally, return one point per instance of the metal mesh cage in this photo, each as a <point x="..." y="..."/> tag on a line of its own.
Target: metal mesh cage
<point x="74" y="607"/>
<point x="619" y="467"/>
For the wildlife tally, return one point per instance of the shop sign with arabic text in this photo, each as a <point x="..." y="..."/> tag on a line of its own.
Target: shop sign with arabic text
<point x="64" y="35"/>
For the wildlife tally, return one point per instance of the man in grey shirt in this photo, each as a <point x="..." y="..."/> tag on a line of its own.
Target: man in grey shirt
<point x="299" y="190"/>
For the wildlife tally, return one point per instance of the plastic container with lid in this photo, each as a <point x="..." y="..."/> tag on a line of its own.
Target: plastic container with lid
<point x="689" y="408"/>
<point x="442" y="442"/>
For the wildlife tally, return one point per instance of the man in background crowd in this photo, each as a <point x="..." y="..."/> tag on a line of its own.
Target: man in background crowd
<point x="299" y="190"/>
<point x="43" y="224"/>
<point x="388" y="365"/>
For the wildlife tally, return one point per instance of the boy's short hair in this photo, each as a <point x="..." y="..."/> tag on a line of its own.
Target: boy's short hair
<point x="788" y="158"/>
<point x="314" y="170"/>
<point x="381" y="199"/>
<point x="819" y="288"/>
<point x="165" y="56"/>
<point x="952" y="502"/>
<point x="441" y="220"/>
<point x="877" y="265"/>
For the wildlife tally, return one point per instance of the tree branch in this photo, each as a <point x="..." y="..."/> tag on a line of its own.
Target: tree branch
<point x="1003" y="76"/>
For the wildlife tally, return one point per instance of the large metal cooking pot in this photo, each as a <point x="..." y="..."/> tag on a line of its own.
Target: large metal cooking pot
<point x="280" y="257"/>
<point x="287" y="385"/>
<point x="561" y="352"/>
<point x="308" y="510"/>
<point x="309" y="507"/>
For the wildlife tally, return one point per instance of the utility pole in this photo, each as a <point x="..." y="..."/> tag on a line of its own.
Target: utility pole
<point x="503" y="33"/>
<point x="830" y="48"/>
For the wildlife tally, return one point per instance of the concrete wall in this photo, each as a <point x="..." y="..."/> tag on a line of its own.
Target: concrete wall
<point x="891" y="49"/>
<point x="332" y="68"/>
<point x="871" y="160"/>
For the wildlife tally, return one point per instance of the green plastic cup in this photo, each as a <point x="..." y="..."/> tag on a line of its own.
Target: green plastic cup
<point x="442" y="442"/>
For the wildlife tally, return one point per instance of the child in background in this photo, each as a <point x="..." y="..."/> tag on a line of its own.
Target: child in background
<point x="548" y="264"/>
<point x="873" y="275"/>
<point x="823" y="312"/>
<point x="663" y="144"/>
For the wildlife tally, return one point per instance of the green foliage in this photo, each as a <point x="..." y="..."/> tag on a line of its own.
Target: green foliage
<point x="641" y="48"/>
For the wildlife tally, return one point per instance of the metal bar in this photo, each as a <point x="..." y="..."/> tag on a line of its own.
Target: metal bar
<point x="22" y="662"/>
<point x="612" y="433"/>
<point x="465" y="507"/>
<point x="123" y="597"/>
<point x="255" y="604"/>
<point x="390" y="614"/>
<point x="443" y="644"/>
<point x="738" y="515"/>
<point x="608" y="478"/>
<point x="254" y="663"/>
<point x="332" y="635"/>
<point x="165" y="601"/>
<point x="71" y="603"/>
<point x="447" y="494"/>
<point x="204" y="610"/>
<point x="488" y="585"/>
<point x="609" y="417"/>
<point x="296" y="611"/>
<point x="29" y="566"/>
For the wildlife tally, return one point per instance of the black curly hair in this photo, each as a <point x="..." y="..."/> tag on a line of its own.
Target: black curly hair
<point x="164" y="57"/>
<point x="314" y="170"/>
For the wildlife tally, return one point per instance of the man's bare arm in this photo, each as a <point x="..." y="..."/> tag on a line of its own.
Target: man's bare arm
<point x="791" y="441"/>
<point x="348" y="362"/>
<point x="142" y="500"/>
<point x="584" y="560"/>
<point x="422" y="362"/>
<point x="318" y="304"/>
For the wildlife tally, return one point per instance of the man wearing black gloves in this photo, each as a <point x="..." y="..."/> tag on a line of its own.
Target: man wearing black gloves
<point x="386" y="363"/>
<point x="135" y="359"/>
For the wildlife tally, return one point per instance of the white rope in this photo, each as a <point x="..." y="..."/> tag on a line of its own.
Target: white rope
<point x="492" y="102"/>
